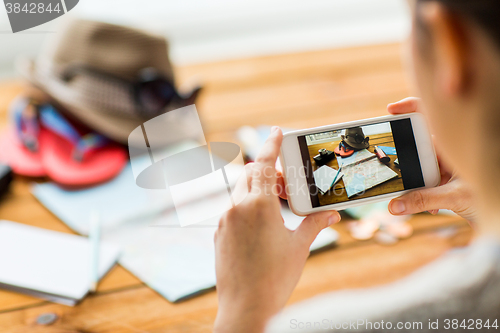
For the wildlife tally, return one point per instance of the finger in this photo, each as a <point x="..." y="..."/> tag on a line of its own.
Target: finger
<point x="264" y="171"/>
<point x="313" y="224"/>
<point x="407" y="105"/>
<point x="444" y="171"/>
<point x="242" y="186"/>
<point x="280" y="186"/>
<point x="442" y="197"/>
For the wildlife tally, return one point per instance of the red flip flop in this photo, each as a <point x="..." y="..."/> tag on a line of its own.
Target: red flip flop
<point x="43" y="143"/>
<point x="18" y="145"/>
<point x="343" y="150"/>
<point x="97" y="166"/>
<point x="18" y="157"/>
<point x="74" y="159"/>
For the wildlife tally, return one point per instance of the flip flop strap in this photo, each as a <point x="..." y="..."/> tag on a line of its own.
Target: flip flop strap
<point x="54" y="121"/>
<point x="87" y="143"/>
<point x="26" y="125"/>
<point x="346" y="147"/>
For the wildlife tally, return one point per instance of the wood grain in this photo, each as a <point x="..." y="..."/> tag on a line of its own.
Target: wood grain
<point x="293" y="90"/>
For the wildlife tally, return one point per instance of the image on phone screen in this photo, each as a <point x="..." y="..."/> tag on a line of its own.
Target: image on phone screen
<point x="360" y="162"/>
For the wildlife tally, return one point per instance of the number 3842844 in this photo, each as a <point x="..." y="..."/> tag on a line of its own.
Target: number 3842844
<point x="470" y="324"/>
<point x="31" y="8"/>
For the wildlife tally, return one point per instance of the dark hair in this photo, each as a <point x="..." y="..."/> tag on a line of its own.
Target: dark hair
<point x="485" y="13"/>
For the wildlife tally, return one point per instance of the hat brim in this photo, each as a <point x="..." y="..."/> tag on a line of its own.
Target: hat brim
<point x="116" y="127"/>
<point x="358" y="145"/>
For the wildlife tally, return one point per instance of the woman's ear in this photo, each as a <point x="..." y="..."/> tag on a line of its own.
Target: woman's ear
<point x="449" y="49"/>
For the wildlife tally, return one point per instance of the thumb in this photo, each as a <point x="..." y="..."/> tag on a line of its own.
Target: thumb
<point x="313" y="224"/>
<point x="442" y="197"/>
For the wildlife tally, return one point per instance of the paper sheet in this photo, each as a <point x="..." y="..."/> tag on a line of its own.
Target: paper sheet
<point x="49" y="262"/>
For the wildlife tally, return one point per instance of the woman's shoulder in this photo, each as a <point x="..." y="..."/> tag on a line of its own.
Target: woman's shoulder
<point x="464" y="281"/>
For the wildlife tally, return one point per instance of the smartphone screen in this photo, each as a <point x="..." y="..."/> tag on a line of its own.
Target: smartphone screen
<point x="360" y="162"/>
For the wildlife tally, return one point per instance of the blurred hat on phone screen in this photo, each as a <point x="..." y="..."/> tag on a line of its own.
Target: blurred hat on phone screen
<point x="355" y="138"/>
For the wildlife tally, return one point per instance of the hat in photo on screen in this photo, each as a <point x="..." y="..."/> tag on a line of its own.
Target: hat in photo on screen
<point x="355" y="138"/>
<point x="111" y="78"/>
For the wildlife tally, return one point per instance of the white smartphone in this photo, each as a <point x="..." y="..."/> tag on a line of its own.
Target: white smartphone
<point x="359" y="162"/>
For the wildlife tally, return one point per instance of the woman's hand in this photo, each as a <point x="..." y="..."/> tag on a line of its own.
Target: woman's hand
<point x="258" y="260"/>
<point x="452" y="193"/>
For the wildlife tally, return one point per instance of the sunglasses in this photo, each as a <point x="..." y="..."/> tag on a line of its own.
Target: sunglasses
<point x="151" y="91"/>
<point x="358" y="138"/>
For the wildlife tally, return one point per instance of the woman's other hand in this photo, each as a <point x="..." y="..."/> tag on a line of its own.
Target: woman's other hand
<point x="258" y="260"/>
<point x="452" y="194"/>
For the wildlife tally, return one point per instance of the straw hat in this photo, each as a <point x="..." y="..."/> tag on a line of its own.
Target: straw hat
<point x="105" y="105"/>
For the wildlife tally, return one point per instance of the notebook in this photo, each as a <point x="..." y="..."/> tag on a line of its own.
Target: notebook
<point x="49" y="264"/>
<point x="388" y="150"/>
<point x="325" y="177"/>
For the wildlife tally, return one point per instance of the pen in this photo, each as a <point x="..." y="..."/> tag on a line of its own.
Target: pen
<point x="335" y="179"/>
<point x="94" y="238"/>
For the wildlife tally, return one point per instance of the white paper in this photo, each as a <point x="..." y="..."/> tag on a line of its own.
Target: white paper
<point x="49" y="261"/>
<point x="324" y="177"/>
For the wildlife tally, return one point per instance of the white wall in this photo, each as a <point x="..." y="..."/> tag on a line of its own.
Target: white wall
<point x="211" y="30"/>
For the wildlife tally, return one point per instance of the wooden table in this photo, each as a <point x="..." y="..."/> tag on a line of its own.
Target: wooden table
<point x="295" y="90"/>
